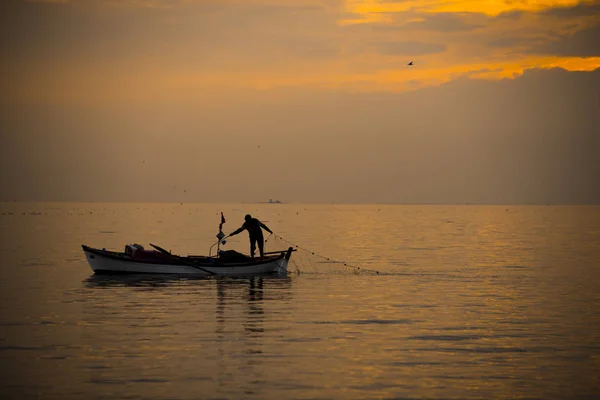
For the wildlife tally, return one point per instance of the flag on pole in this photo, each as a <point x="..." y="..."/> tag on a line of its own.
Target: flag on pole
<point x="222" y="222"/>
<point x="221" y="235"/>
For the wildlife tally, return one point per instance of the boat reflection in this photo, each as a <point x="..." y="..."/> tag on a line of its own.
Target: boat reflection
<point x="253" y="291"/>
<point x="145" y="280"/>
<point x="218" y="330"/>
<point x="131" y="280"/>
<point x="250" y="342"/>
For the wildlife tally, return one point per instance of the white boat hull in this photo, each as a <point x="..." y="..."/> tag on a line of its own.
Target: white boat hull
<point x="110" y="264"/>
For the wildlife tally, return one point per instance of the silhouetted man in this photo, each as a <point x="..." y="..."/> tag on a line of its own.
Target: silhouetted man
<point x="254" y="228"/>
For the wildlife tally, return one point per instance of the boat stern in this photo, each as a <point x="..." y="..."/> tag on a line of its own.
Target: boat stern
<point x="286" y="259"/>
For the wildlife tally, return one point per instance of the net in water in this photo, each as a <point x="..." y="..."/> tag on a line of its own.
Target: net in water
<point x="304" y="260"/>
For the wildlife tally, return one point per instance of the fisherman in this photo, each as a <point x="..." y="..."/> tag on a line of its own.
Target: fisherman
<point x="253" y="226"/>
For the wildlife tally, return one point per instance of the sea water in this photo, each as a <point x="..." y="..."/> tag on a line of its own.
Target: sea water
<point x="467" y="302"/>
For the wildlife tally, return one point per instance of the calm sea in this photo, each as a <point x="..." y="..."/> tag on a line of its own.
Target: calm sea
<point x="470" y="302"/>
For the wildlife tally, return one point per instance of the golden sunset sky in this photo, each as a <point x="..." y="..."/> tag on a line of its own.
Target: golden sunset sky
<point x="181" y="93"/>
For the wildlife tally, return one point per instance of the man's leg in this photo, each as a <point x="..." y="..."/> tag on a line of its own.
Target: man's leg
<point x="252" y="246"/>
<point x="261" y="245"/>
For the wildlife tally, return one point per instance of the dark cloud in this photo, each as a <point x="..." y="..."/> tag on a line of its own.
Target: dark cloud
<point x="516" y="43"/>
<point x="580" y="10"/>
<point x="420" y="21"/>
<point x="584" y="43"/>
<point x="513" y="15"/>
<point x="536" y="137"/>
<point x="410" y="48"/>
<point x="445" y="22"/>
<point x="505" y="42"/>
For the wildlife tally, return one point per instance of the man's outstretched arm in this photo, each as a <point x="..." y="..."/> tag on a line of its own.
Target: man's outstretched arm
<point x="237" y="231"/>
<point x="266" y="228"/>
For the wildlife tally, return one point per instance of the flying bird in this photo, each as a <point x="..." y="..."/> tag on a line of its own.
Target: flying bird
<point x="410" y="63"/>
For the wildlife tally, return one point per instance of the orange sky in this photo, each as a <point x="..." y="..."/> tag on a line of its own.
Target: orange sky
<point x="468" y="50"/>
<point x="157" y="47"/>
<point x="488" y="7"/>
<point x="208" y="74"/>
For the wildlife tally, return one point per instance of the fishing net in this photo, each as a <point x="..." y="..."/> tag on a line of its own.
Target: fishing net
<point x="304" y="260"/>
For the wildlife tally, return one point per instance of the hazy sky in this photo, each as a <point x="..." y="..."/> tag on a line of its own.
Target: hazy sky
<point x="300" y="100"/>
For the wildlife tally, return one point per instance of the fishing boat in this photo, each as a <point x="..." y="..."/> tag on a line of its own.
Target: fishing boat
<point x="137" y="260"/>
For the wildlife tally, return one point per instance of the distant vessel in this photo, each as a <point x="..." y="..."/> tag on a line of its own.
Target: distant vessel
<point x="271" y="201"/>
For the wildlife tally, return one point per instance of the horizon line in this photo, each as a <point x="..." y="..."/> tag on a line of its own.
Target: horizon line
<point x="303" y="203"/>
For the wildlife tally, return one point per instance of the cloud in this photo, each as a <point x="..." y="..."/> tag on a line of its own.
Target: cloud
<point x="47" y="1"/>
<point x="444" y="22"/>
<point x="164" y="4"/>
<point x="410" y="48"/>
<point x="505" y="33"/>
<point x="582" y="9"/>
<point x="584" y="43"/>
<point x="93" y="51"/>
<point x="377" y="11"/>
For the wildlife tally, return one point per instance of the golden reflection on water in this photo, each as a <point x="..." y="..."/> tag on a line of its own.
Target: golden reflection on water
<point x="471" y="302"/>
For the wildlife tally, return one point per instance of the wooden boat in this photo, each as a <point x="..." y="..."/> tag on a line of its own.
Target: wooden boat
<point x="135" y="259"/>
